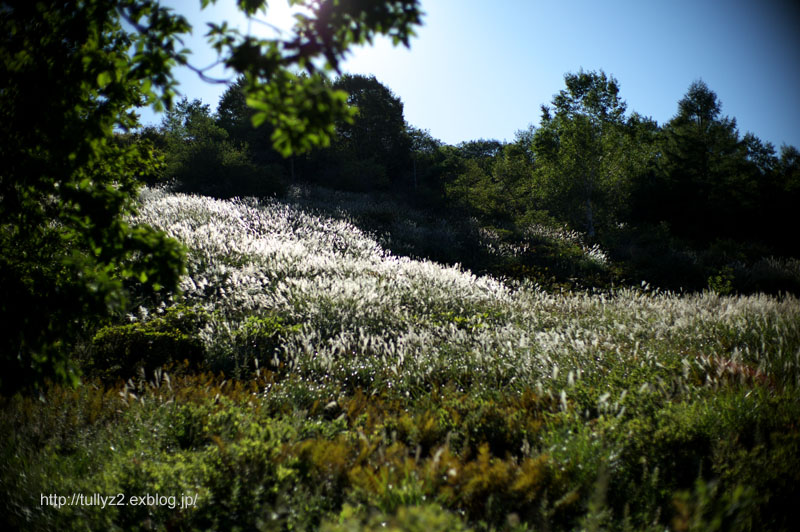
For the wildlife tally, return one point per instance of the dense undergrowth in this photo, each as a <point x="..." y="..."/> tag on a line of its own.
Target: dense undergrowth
<point x="307" y="378"/>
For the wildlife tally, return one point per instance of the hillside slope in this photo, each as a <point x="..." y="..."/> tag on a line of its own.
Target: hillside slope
<point x="399" y="320"/>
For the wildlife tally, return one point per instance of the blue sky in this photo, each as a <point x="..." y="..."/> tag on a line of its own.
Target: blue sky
<point x="482" y="69"/>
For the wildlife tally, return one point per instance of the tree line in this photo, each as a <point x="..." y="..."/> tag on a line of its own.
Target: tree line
<point x="590" y="164"/>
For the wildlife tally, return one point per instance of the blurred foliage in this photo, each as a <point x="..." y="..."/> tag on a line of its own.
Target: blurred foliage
<point x="66" y="184"/>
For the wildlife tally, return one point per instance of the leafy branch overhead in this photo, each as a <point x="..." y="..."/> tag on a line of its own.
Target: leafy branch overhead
<point x="286" y="80"/>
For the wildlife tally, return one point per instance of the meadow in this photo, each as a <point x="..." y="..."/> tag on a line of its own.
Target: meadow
<point x="315" y="374"/>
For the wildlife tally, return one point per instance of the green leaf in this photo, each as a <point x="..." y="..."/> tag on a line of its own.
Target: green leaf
<point x="258" y="118"/>
<point x="103" y="79"/>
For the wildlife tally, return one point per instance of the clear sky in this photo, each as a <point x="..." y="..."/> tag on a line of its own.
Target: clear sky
<point x="482" y="68"/>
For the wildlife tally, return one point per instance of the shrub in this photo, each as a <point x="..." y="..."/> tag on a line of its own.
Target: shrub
<point x="123" y="350"/>
<point x="257" y="344"/>
<point x="422" y="518"/>
<point x="722" y="282"/>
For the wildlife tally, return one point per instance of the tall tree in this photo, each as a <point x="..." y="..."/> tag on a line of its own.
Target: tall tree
<point x="236" y="118"/>
<point x="706" y="182"/>
<point x="233" y="114"/>
<point x="376" y="137"/>
<point x="303" y="107"/>
<point x="201" y="156"/>
<point x="788" y="186"/>
<point x="482" y="150"/>
<point x="778" y="178"/>
<point x="424" y="153"/>
<point x="585" y="152"/>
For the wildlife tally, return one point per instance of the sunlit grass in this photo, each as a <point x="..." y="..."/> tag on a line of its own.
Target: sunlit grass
<point x="359" y="308"/>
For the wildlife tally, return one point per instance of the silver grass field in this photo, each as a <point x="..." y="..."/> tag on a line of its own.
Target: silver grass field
<point x="403" y="322"/>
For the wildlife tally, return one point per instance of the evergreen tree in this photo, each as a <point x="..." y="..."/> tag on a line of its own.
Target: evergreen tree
<point x="706" y="186"/>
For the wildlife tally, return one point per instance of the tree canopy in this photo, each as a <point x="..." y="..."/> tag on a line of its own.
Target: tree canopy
<point x="377" y="134"/>
<point x="709" y="180"/>
<point x="584" y="151"/>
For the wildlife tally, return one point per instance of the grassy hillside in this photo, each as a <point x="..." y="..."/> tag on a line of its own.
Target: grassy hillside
<point x="308" y="378"/>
